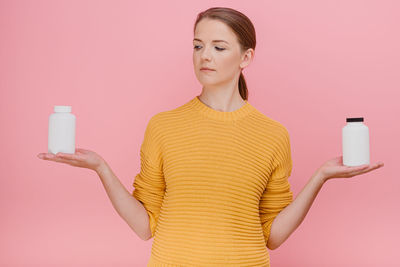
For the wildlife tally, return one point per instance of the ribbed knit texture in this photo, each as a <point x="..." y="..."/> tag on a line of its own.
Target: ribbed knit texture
<point x="212" y="183"/>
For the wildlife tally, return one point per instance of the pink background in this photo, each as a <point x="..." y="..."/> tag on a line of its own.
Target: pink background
<point x="117" y="63"/>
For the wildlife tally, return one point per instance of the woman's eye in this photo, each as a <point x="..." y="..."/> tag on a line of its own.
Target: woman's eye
<point x="218" y="48"/>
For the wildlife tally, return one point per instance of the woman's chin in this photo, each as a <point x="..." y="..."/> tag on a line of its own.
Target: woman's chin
<point x="206" y="83"/>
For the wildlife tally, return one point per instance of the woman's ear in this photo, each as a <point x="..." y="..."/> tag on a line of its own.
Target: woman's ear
<point x="247" y="57"/>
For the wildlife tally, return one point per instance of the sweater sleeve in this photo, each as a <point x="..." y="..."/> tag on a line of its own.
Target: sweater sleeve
<point x="277" y="194"/>
<point x="149" y="183"/>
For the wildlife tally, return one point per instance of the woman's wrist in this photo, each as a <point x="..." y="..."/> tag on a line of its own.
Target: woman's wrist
<point x="101" y="168"/>
<point x="318" y="175"/>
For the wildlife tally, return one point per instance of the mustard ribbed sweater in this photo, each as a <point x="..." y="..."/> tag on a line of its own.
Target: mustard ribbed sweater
<point x="212" y="183"/>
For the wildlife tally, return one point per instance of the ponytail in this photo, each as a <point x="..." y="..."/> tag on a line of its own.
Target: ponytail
<point x="243" y="87"/>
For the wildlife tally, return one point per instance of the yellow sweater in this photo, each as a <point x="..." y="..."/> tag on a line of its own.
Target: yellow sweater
<point x="212" y="183"/>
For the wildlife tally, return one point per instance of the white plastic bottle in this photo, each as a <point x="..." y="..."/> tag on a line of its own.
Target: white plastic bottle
<point x="355" y="142"/>
<point x="61" y="136"/>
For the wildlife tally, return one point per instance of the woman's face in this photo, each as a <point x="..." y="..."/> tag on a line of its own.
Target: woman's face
<point x="215" y="46"/>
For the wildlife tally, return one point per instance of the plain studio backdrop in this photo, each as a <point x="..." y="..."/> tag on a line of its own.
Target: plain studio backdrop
<point x="117" y="63"/>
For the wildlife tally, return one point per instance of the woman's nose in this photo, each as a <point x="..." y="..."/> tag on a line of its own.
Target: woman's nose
<point x="205" y="54"/>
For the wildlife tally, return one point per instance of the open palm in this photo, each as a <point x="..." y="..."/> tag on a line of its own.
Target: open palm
<point x="334" y="168"/>
<point x="82" y="158"/>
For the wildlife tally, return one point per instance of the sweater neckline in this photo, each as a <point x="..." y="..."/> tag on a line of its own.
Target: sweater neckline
<point x="241" y="112"/>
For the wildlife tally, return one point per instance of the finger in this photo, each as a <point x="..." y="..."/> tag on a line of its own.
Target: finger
<point x="355" y="170"/>
<point x="81" y="151"/>
<point x="362" y="168"/>
<point x="73" y="163"/>
<point x="368" y="168"/>
<point x="66" y="156"/>
<point x="67" y="161"/>
<point x="376" y="166"/>
<point x="337" y="159"/>
<point x="46" y="156"/>
<point x="64" y="159"/>
<point x="53" y="158"/>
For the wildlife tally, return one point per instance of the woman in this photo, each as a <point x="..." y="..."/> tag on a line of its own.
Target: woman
<point x="213" y="186"/>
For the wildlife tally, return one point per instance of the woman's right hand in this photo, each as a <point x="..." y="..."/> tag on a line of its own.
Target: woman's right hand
<point x="82" y="158"/>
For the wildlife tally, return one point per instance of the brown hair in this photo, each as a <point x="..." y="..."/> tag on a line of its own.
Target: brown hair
<point x="241" y="26"/>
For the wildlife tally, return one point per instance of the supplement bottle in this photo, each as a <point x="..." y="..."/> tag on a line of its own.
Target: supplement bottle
<point x="61" y="136"/>
<point x="355" y="142"/>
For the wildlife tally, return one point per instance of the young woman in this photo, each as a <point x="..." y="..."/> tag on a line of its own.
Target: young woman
<point x="213" y="186"/>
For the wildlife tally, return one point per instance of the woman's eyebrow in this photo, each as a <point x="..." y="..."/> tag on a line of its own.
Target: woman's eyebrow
<point x="215" y="41"/>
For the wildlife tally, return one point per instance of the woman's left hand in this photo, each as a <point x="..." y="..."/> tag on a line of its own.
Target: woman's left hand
<point x="334" y="168"/>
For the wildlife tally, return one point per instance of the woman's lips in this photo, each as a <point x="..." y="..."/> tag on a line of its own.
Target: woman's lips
<point x="206" y="69"/>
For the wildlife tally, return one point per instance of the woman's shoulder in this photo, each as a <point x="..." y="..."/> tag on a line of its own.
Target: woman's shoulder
<point x="266" y="121"/>
<point x="168" y="116"/>
<point x="172" y="113"/>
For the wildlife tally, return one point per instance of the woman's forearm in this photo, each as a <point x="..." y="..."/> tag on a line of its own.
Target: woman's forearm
<point x="127" y="206"/>
<point x="291" y="217"/>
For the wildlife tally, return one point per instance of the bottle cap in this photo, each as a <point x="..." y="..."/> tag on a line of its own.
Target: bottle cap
<point x="354" y="119"/>
<point x="62" y="108"/>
